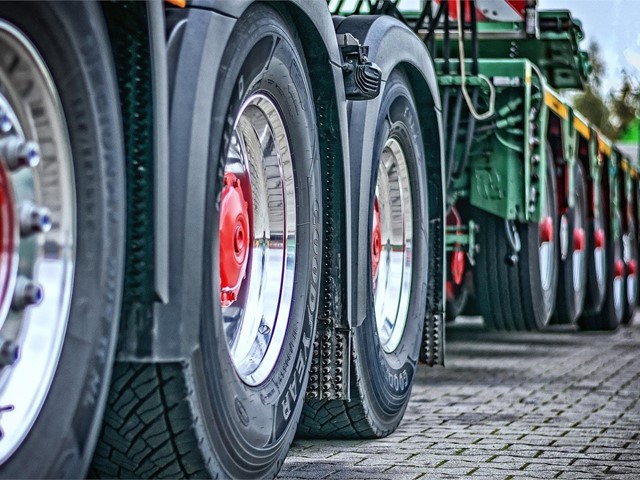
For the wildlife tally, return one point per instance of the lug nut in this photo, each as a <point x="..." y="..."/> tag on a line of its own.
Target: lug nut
<point x="18" y="153"/>
<point x="34" y="219"/>
<point x="26" y="293"/>
<point x="9" y="352"/>
<point x="5" y="123"/>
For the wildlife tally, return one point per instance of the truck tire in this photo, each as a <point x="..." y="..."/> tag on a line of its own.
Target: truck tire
<point x="518" y="293"/>
<point x="386" y="345"/>
<point x="572" y="280"/>
<point x="597" y="264"/>
<point x="232" y="409"/>
<point x="62" y="223"/>
<point x="457" y="298"/>
<point x="612" y="311"/>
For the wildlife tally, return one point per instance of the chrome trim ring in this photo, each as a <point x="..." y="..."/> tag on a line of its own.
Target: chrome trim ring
<point x="259" y="155"/>
<point x="392" y="284"/>
<point x="43" y="188"/>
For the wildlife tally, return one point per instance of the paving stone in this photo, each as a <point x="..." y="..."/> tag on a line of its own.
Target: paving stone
<point x="559" y="404"/>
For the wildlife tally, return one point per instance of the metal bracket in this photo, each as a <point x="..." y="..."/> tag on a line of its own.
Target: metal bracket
<point x="463" y="238"/>
<point x="362" y="78"/>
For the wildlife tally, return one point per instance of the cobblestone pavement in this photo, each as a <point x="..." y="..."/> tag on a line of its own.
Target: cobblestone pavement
<point x="558" y="404"/>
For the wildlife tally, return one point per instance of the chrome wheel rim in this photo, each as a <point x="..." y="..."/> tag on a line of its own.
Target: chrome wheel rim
<point x="42" y="188"/>
<point x="256" y="308"/>
<point x="627" y="245"/>
<point x="599" y="240"/>
<point x="547" y="245"/>
<point x="578" y="244"/>
<point x="392" y="278"/>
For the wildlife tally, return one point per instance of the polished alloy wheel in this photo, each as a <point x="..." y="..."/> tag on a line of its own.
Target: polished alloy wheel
<point x="632" y="267"/>
<point x="579" y="257"/>
<point x="547" y="245"/>
<point x="257" y="239"/>
<point x="37" y="234"/>
<point x="392" y="245"/>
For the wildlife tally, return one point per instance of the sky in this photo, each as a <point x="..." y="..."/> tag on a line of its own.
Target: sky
<point x="615" y="26"/>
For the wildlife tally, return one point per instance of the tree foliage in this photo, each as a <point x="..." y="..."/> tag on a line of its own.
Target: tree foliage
<point x="614" y="113"/>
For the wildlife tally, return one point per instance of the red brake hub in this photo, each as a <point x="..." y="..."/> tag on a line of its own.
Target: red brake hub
<point x="598" y="238"/>
<point x="458" y="257"/>
<point x="618" y="268"/>
<point x="376" y="239"/>
<point x="632" y="267"/>
<point x="578" y="239"/>
<point x="235" y="238"/>
<point x="8" y="245"/>
<point x="546" y="230"/>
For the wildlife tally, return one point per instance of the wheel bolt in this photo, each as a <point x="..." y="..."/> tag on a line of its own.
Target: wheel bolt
<point x="9" y="352"/>
<point x="5" y="123"/>
<point x="18" y="153"/>
<point x="26" y="293"/>
<point x="34" y="219"/>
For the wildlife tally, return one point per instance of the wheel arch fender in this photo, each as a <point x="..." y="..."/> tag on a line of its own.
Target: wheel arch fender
<point x="173" y="332"/>
<point x="393" y="45"/>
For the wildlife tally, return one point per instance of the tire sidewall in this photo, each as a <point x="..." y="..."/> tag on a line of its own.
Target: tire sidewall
<point x="391" y="374"/>
<point x="530" y="234"/>
<point x="241" y="426"/>
<point x="71" y="38"/>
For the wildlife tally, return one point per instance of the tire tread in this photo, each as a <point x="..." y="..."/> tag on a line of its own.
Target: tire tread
<point x="148" y="428"/>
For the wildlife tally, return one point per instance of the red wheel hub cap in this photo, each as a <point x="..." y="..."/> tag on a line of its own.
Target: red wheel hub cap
<point x="618" y="268"/>
<point x="546" y="230"/>
<point x="235" y="238"/>
<point x="578" y="239"/>
<point x="376" y="239"/>
<point x="458" y="257"/>
<point x="632" y="267"/>
<point x="8" y="238"/>
<point x="598" y="238"/>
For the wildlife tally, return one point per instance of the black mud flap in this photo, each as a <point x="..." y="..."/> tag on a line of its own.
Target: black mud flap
<point x="433" y="334"/>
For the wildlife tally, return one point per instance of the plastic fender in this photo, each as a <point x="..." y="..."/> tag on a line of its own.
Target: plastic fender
<point x="173" y="333"/>
<point x="390" y="43"/>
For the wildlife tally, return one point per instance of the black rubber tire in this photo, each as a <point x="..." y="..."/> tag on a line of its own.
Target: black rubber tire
<point x="456" y="305"/>
<point x="612" y="313"/>
<point x="198" y="418"/>
<point x="380" y="381"/>
<point x="570" y="300"/>
<point x="511" y="297"/>
<point x="596" y="290"/>
<point x="631" y="289"/>
<point x="72" y="41"/>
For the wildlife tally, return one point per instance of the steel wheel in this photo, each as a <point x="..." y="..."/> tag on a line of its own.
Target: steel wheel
<point x="257" y="239"/>
<point x="547" y="245"/>
<point x="630" y="257"/>
<point x="578" y="248"/>
<point x="38" y="235"/>
<point x="392" y="245"/>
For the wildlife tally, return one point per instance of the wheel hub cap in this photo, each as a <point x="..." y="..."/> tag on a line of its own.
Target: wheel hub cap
<point x="376" y="239"/>
<point x="578" y="239"/>
<point x="598" y="238"/>
<point x="546" y="230"/>
<point x="234" y="239"/>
